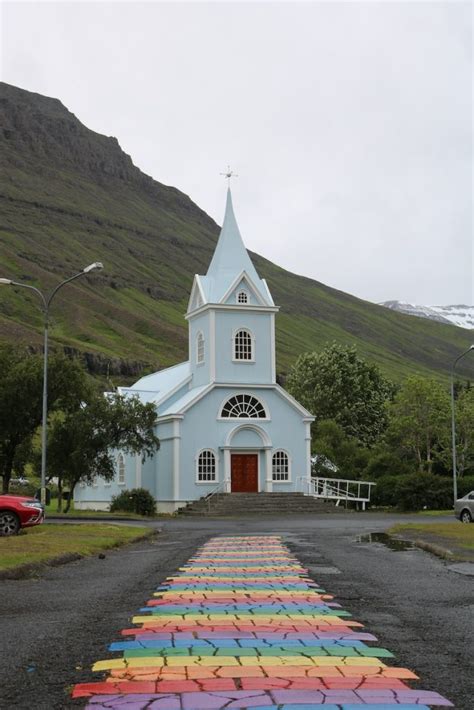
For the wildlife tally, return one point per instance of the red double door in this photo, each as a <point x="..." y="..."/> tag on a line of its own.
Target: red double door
<point x="244" y="473"/>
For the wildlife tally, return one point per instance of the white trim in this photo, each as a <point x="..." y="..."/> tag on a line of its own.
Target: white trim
<point x="252" y="340"/>
<point x="212" y="345"/>
<point x="290" y="467"/>
<point x="121" y="459"/>
<point x="243" y="276"/>
<point x="176" y="453"/>
<point x="199" y="362"/>
<point x="220" y="418"/>
<point x="264" y="436"/>
<point x="269" y="295"/>
<point x="138" y="471"/>
<point x="196" y="467"/>
<point x="308" y="451"/>
<point x="272" y="347"/>
<point x="173" y="391"/>
<point x="231" y="307"/>
<point x="268" y="471"/>
<point x="239" y="387"/>
<point x="196" y="287"/>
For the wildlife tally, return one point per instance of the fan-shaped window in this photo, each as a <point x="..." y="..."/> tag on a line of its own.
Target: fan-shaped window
<point x="200" y="348"/>
<point x="206" y="467"/>
<point x="280" y="466"/>
<point x="121" y="470"/>
<point x="243" y="345"/>
<point x="243" y="406"/>
<point x="242" y="297"/>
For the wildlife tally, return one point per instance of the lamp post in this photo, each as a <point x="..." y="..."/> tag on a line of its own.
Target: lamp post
<point x="453" y="423"/>
<point x="46" y="303"/>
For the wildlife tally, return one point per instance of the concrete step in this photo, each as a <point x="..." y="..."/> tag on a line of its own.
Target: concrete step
<point x="235" y="504"/>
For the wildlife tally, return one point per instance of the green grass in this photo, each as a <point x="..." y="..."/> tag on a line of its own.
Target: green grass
<point x="45" y="542"/>
<point x="448" y="533"/>
<point x="51" y="509"/>
<point x="434" y="513"/>
<point x="61" y="211"/>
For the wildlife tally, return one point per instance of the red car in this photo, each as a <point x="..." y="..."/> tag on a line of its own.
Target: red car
<point x="19" y="512"/>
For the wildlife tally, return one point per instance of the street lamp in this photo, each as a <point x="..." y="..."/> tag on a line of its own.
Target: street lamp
<point x="453" y="423"/>
<point x="46" y="303"/>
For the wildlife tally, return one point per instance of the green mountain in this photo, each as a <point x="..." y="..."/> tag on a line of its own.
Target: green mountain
<point x="70" y="196"/>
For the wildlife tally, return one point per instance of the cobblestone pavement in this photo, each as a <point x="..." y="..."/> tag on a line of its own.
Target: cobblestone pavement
<point x="243" y="626"/>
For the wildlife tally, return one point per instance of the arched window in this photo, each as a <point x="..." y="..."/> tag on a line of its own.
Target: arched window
<point x="242" y="297"/>
<point x="280" y="466"/>
<point x="206" y="467"/>
<point x="200" y="348"/>
<point x="120" y="470"/>
<point x="243" y="345"/>
<point x="243" y="406"/>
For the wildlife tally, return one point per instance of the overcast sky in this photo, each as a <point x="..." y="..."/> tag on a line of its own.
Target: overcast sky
<point x="349" y="124"/>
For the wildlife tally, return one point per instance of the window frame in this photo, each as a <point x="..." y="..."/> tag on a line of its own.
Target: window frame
<point x="263" y="404"/>
<point x="242" y="292"/>
<point x="275" y="453"/>
<point x="242" y="361"/>
<point x="200" y="339"/>
<point x="212" y="481"/>
<point x="121" y="468"/>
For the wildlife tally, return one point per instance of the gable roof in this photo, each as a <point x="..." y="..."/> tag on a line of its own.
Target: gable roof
<point x="230" y="260"/>
<point x="158" y="386"/>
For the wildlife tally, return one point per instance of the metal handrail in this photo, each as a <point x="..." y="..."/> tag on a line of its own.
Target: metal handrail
<point x="220" y="485"/>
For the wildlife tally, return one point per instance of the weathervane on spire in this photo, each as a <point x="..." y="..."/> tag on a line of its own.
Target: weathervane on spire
<point x="229" y="175"/>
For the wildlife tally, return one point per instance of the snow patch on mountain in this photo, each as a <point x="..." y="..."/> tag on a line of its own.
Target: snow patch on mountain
<point x="460" y="315"/>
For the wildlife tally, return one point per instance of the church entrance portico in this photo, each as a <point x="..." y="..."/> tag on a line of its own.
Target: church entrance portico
<point x="243" y="473"/>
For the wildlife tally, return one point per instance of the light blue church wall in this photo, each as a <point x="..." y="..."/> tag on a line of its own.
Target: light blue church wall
<point x="202" y="428"/>
<point x="261" y="369"/>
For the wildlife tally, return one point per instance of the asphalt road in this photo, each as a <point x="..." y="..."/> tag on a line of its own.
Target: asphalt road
<point x="53" y="628"/>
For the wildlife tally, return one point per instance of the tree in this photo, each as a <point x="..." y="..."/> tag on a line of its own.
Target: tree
<point x="21" y="389"/>
<point x="82" y="441"/>
<point x="337" y="384"/>
<point x="465" y="431"/>
<point x="419" y="420"/>
<point x="335" y="450"/>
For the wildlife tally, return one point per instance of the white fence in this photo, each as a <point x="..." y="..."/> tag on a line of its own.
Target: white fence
<point x="339" y="489"/>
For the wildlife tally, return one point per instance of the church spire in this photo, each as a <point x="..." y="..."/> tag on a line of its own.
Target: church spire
<point x="230" y="256"/>
<point x="230" y="265"/>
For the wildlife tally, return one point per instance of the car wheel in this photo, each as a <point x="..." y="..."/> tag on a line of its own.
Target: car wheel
<point x="465" y="516"/>
<point x="9" y="523"/>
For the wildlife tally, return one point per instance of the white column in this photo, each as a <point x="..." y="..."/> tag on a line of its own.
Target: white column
<point x="272" y="345"/>
<point x="268" y="470"/>
<point x="308" y="452"/>
<point x="212" y="346"/>
<point x="227" y="472"/>
<point x="138" y="471"/>
<point x="176" y="457"/>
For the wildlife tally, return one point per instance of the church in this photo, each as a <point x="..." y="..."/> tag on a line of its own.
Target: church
<point x="223" y="421"/>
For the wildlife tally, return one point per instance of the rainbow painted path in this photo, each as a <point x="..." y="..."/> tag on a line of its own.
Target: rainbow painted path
<point x="242" y="626"/>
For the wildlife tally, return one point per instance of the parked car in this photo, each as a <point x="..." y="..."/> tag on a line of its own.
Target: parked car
<point x="18" y="512"/>
<point x="464" y="508"/>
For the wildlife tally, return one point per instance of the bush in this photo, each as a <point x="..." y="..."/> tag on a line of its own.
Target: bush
<point x="138" y="500"/>
<point x="386" y="464"/>
<point x="385" y="492"/>
<point x="414" y="492"/>
<point x="424" y="490"/>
